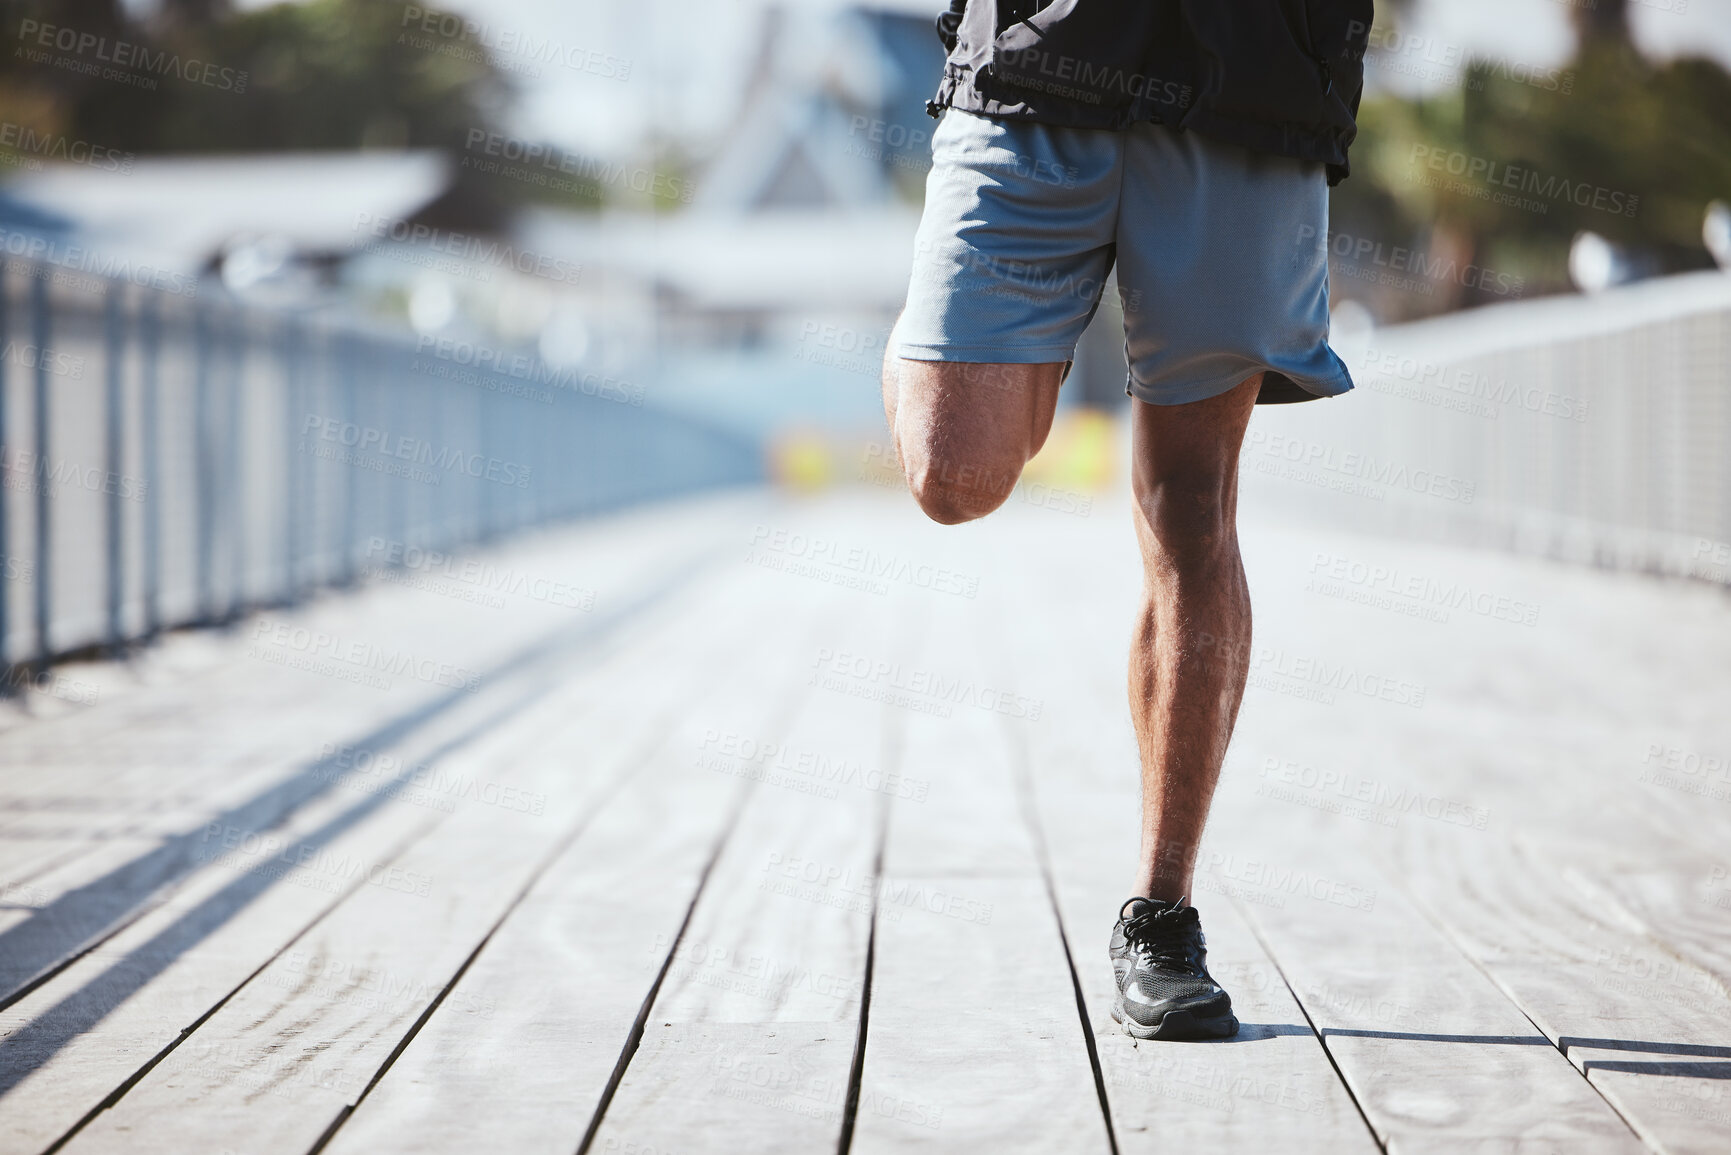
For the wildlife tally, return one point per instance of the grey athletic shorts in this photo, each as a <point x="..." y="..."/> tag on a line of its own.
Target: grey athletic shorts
<point x="1221" y="256"/>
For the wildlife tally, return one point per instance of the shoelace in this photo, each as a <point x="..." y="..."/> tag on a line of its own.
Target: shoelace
<point x="1167" y="938"/>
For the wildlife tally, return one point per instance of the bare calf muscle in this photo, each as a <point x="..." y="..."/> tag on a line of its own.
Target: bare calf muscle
<point x="1189" y="652"/>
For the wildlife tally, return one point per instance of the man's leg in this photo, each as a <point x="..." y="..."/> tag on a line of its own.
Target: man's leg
<point x="963" y="430"/>
<point x="1190" y="652"/>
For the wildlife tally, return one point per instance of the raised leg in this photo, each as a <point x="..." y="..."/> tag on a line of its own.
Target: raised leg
<point x="963" y="430"/>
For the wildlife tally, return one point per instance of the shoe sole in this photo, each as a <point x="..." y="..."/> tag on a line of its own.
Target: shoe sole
<point x="1177" y="1026"/>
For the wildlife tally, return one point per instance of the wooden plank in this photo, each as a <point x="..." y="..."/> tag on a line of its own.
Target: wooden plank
<point x="151" y="982"/>
<point x="1436" y="1055"/>
<point x="1273" y="1078"/>
<point x="1600" y="925"/>
<point x="73" y="1042"/>
<point x="1576" y="886"/>
<point x="750" y="1042"/>
<point x="220" y="722"/>
<point x="78" y="918"/>
<point x="281" y="1061"/>
<point x="21" y="859"/>
<point x="1082" y="793"/>
<point x="29" y="898"/>
<point x="530" y="1073"/>
<point x="1650" y="1029"/>
<point x="974" y="1041"/>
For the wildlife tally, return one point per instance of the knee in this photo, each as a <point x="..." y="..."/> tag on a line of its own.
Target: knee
<point x="951" y="492"/>
<point x="1187" y="524"/>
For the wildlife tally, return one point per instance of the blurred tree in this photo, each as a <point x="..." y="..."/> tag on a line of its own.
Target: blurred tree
<point x="328" y="74"/>
<point x="199" y="77"/>
<point x="1602" y="18"/>
<point x="1508" y="168"/>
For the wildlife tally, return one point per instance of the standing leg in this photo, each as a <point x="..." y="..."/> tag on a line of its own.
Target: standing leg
<point x="1190" y="653"/>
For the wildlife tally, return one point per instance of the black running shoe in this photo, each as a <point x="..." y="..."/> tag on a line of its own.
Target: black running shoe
<point x="1164" y="991"/>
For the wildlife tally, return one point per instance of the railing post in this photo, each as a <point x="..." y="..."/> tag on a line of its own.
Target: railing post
<point x="44" y="538"/>
<point x="112" y="362"/>
<point x="393" y="419"/>
<point x="235" y="346"/>
<point x="204" y="489"/>
<point x="346" y="372"/>
<point x="292" y="496"/>
<point x="6" y="465"/>
<point x="150" y="348"/>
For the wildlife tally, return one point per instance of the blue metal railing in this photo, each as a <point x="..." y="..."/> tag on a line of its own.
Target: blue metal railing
<point x="170" y="461"/>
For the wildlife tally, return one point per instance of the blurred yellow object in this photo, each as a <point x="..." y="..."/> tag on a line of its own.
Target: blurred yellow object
<point x="802" y="460"/>
<point x="1080" y="455"/>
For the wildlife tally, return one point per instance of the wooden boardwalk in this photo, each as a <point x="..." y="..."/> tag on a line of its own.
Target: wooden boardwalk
<point x="757" y="825"/>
